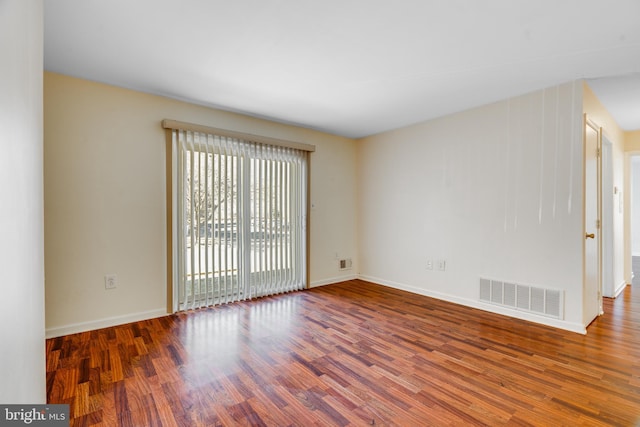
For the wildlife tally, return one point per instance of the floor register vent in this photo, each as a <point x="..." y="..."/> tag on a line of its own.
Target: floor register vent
<point x="547" y="302"/>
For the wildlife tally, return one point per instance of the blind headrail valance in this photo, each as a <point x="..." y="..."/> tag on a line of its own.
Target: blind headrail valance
<point x="174" y="124"/>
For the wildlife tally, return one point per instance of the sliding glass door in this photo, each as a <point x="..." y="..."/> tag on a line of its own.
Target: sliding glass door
<point x="240" y="216"/>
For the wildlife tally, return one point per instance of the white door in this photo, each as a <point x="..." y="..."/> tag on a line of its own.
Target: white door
<point x="592" y="293"/>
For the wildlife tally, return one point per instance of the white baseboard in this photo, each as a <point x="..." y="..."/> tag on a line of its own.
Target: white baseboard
<point x="75" y="328"/>
<point x="134" y="317"/>
<point x="530" y="317"/>
<point x="333" y="280"/>
<point x="619" y="289"/>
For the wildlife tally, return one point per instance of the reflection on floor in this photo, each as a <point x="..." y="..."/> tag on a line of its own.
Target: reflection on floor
<point x="351" y="354"/>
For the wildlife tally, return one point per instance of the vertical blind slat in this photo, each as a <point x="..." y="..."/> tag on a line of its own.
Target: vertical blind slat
<point x="205" y="174"/>
<point x="198" y="223"/>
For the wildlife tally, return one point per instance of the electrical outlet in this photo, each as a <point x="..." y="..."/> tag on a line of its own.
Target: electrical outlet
<point x="429" y="264"/>
<point x="110" y="281"/>
<point x="442" y="265"/>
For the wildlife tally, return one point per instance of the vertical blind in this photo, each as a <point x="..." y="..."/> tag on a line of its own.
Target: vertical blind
<point x="239" y="219"/>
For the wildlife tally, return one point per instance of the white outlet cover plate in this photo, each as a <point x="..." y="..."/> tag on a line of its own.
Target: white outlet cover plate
<point x="110" y="281"/>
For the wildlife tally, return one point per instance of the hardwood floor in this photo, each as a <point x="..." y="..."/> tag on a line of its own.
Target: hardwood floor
<point x="354" y="353"/>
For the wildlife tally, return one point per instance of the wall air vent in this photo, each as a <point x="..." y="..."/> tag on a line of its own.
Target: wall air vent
<point x="547" y="302"/>
<point x="345" y="264"/>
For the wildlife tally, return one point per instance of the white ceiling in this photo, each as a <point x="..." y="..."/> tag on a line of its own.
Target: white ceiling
<point x="350" y="67"/>
<point x="621" y="96"/>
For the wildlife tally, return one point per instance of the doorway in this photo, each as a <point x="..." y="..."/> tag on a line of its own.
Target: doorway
<point x="635" y="218"/>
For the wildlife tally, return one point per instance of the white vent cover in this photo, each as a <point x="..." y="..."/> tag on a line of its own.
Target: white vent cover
<point x="548" y="302"/>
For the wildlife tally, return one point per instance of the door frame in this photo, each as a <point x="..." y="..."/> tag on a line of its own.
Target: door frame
<point x="628" y="208"/>
<point x="598" y="129"/>
<point x="608" y="212"/>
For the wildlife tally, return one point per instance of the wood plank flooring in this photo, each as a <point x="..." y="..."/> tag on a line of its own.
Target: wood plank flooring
<point x="352" y="354"/>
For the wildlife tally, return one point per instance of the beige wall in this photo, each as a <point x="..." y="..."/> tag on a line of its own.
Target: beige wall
<point x="495" y="191"/>
<point x="632" y="141"/>
<point x="104" y="166"/>
<point x="596" y="112"/>
<point x="22" y="349"/>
